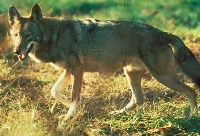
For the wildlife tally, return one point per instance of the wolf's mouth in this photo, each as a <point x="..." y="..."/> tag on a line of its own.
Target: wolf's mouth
<point x="23" y="56"/>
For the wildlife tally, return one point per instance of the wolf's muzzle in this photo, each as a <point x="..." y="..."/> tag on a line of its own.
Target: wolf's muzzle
<point x="23" y="54"/>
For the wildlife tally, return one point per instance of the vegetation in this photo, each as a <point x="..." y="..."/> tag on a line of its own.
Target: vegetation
<point x="27" y="108"/>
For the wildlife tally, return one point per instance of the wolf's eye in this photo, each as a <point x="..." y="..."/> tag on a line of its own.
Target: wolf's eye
<point x="16" y="34"/>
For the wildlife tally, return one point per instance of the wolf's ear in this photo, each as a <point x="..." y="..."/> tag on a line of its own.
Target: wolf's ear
<point x="13" y="15"/>
<point x="36" y="13"/>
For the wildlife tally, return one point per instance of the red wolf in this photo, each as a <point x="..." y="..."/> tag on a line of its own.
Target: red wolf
<point x="91" y="45"/>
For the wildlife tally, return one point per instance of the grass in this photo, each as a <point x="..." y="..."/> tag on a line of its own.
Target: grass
<point x="27" y="108"/>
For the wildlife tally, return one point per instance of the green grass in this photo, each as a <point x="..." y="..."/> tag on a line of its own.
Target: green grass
<point x="159" y="13"/>
<point x="26" y="105"/>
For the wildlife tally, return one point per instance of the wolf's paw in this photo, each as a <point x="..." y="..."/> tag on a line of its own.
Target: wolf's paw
<point x="71" y="112"/>
<point x="117" y="112"/>
<point x="128" y="107"/>
<point x="64" y="121"/>
<point x="66" y="117"/>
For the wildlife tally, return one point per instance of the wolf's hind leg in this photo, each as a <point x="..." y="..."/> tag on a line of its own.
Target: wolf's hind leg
<point x="134" y="80"/>
<point x="60" y="84"/>
<point x="163" y="68"/>
<point x="174" y="83"/>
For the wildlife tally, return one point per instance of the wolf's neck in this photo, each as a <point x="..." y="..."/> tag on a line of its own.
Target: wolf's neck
<point x="50" y="29"/>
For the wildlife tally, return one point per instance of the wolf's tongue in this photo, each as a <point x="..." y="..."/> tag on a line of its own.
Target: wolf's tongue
<point x="22" y="56"/>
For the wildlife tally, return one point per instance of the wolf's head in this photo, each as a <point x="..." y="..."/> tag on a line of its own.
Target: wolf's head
<point x="26" y="32"/>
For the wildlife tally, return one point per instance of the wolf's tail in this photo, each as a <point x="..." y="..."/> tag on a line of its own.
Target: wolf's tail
<point x="185" y="58"/>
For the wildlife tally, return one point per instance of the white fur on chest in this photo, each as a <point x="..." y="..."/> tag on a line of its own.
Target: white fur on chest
<point x="57" y="65"/>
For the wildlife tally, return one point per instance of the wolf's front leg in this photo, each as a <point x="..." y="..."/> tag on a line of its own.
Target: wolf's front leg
<point x="60" y="84"/>
<point x="78" y="77"/>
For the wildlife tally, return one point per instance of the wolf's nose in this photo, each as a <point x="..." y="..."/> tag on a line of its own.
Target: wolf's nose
<point x="17" y="51"/>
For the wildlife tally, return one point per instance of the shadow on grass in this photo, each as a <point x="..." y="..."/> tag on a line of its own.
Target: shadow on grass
<point x="189" y="124"/>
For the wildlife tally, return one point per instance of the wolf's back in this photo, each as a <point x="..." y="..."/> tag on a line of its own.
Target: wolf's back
<point x="184" y="58"/>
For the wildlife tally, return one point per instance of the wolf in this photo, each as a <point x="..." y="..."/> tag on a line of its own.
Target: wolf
<point x="90" y="45"/>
